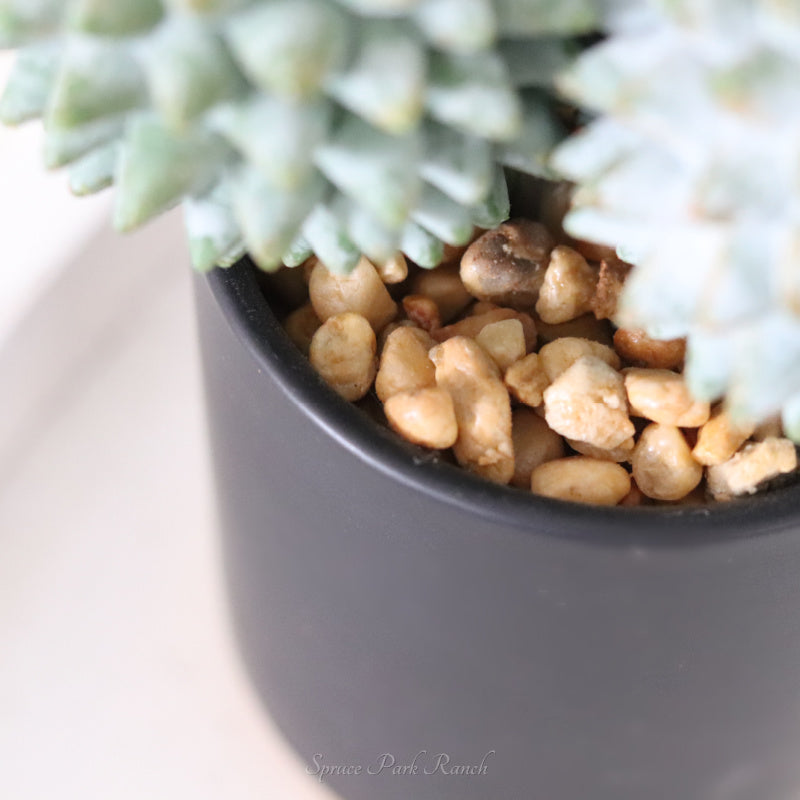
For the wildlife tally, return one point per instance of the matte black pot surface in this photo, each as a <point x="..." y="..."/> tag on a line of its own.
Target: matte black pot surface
<point x="390" y="607"/>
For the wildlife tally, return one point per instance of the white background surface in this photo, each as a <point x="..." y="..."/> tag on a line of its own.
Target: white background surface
<point x="29" y="196"/>
<point x="118" y="675"/>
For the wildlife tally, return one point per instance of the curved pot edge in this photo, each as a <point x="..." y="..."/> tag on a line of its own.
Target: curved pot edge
<point x="237" y="292"/>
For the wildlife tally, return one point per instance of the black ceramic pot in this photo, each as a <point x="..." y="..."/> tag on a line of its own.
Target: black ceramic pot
<point x="526" y="649"/>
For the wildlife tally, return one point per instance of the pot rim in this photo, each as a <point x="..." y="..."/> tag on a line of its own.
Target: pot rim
<point x="237" y="291"/>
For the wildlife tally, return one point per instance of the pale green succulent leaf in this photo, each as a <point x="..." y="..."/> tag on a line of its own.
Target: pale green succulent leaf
<point x="459" y="26"/>
<point x="158" y="169"/>
<point x="790" y="418"/>
<point x="95" y="171"/>
<point x="530" y="152"/>
<point x="96" y="79"/>
<point x="207" y="8"/>
<point x="189" y="71"/>
<point x="277" y="137"/>
<point x="64" y="146"/>
<point x="373" y="169"/>
<point x="381" y="8"/>
<point x="422" y="247"/>
<point x="538" y="62"/>
<point x="474" y="94"/>
<point x="710" y="362"/>
<point x="595" y="150"/>
<point x="445" y="219"/>
<point x="540" y="17"/>
<point x="385" y="83"/>
<point x="496" y="206"/>
<point x="327" y="234"/>
<point x="460" y="165"/>
<point x="29" y="85"/>
<point x="270" y="218"/>
<point x="214" y="235"/>
<point x="767" y="357"/>
<point x="114" y="18"/>
<point x="288" y="47"/>
<point x="24" y="20"/>
<point x="298" y="253"/>
<point x="377" y="242"/>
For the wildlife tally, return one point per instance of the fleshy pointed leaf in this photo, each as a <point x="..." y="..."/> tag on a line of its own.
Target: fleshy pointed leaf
<point x="63" y="147"/>
<point x="385" y="84"/>
<point x="458" y="26"/>
<point x="538" y="62"/>
<point x="298" y="253"/>
<point x="188" y="71"/>
<point x="422" y="247"/>
<point x="474" y="94"/>
<point x="326" y="233"/>
<point x="381" y="8"/>
<point x="158" y="169"/>
<point x="457" y="164"/>
<point x="375" y="170"/>
<point x="496" y="207"/>
<point x="114" y="18"/>
<point x="289" y="46"/>
<point x="96" y="79"/>
<point x="377" y="243"/>
<point x="28" y="88"/>
<point x="277" y="137"/>
<point x="540" y="17"/>
<point x="446" y="220"/>
<point x="531" y="151"/>
<point x="95" y="171"/>
<point x="270" y="218"/>
<point x="24" y="20"/>
<point x="214" y="235"/>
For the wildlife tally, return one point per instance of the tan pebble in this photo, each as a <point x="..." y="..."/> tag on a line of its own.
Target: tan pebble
<point x="422" y="311"/>
<point x="507" y="265"/>
<point x="620" y="454"/>
<point x="361" y="292"/>
<point x="301" y="325"/>
<point x="443" y="285"/>
<point x="395" y="270"/>
<point x="534" y="443"/>
<point x="472" y="326"/>
<point x="481" y="307"/>
<point x="582" y="480"/>
<point x="568" y="287"/>
<point x="343" y="353"/>
<point x="662" y="462"/>
<point x="504" y="342"/>
<point x="425" y="417"/>
<point x="662" y="396"/>
<point x="638" y="349"/>
<point x="527" y="380"/>
<point x="558" y="356"/>
<point x="755" y="463"/>
<point x="635" y="497"/>
<point x="595" y="252"/>
<point x="584" y="327"/>
<point x="482" y="406"/>
<point x="587" y="403"/>
<point x="405" y="365"/>
<point x="610" y="284"/>
<point x="720" y="438"/>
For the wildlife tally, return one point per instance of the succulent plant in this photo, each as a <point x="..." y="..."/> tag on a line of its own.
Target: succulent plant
<point x="290" y="127"/>
<point x="692" y="169"/>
